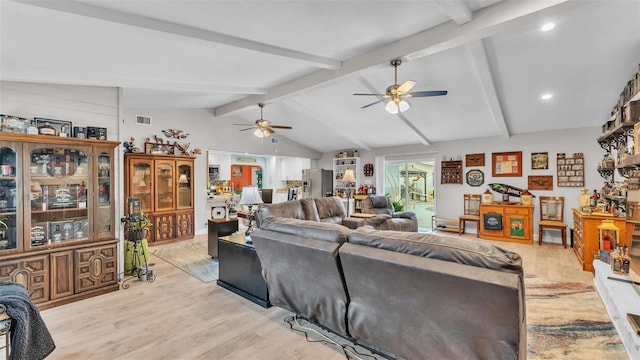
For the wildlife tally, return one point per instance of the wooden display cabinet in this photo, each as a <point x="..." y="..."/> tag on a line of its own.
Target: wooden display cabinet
<point x="164" y="185"/>
<point x="585" y="236"/>
<point x="451" y="172"/>
<point x="56" y="199"/>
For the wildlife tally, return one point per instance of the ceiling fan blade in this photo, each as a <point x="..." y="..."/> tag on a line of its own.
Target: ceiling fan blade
<point x="269" y="130"/>
<point x="373" y="103"/>
<point x="406" y="86"/>
<point x="369" y="94"/>
<point x="249" y="128"/>
<point x="427" y="93"/>
<point x="241" y="124"/>
<point x="280" y="127"/>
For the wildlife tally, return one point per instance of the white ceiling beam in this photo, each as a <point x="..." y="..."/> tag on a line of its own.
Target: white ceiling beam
<point x="100" y="13"/>
<point x="455" y="9"/>
<point x="492" y="20"/>
<point x="158" y="84"/>
<point x="485" y="77"/>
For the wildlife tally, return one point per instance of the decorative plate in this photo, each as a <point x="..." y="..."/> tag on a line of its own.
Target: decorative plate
<point x="218" y="212"/>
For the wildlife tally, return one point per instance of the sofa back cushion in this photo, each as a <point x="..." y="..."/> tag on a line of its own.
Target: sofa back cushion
<point x="303" y="209"/>
<point x="307" y="229"/>
<point x="330" y="209"/>
<point x="376" y="205"/>
<point x="447" y="248"/>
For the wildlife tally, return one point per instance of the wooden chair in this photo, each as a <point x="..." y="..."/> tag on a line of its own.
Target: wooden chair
<point x="471" y="212"/>
<point x="552" y="217"/>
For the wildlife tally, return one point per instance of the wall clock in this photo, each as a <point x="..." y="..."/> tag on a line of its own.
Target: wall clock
<point x="218" y="212"/>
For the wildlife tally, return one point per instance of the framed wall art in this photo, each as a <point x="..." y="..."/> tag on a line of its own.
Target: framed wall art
<point x="472" y="160"/>
<point x="540" y="182"/>
<point x="506" y="164"/>
<point x="475" y="177"/>
<point x="570" y="171"/>
<point x="539" y="161"/>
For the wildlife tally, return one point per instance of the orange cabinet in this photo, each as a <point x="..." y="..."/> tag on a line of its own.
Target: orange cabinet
<point x="585" y="236"/>
<point x="507" y="222"/>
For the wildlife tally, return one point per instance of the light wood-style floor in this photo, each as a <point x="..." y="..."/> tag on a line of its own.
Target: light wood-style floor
<point x="179" y="317"/>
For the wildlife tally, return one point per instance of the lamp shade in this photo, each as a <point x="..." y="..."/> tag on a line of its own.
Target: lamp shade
<point x="183" y="179"/>
<point x="349" y="176"/>
<point x="250" y="196"/>
<point x="394" y="106"/>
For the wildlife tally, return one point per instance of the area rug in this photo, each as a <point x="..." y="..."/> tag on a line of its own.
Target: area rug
<point x="190" y="257"/>
<point x="567" y="320"/>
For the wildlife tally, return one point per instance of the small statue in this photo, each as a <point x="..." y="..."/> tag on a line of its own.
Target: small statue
<point x="183" y="148"/>
<point x="130" y="146"/>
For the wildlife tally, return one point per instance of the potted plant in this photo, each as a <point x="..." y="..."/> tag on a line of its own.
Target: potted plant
<point x="232" y="213"/>
<point x="138" y="228"/>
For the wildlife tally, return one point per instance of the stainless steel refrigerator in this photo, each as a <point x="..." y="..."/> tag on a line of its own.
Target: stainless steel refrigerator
<point x="316" y="182"/>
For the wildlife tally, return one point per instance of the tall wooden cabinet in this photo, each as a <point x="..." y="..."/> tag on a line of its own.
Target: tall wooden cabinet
<point x="57" y="206"/>
<point x="586" y="243"/>
<point x="164" y="185"/>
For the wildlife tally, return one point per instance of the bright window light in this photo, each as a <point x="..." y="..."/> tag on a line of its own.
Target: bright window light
<point x="548" y="26"/>
<point x="546" y="96"/>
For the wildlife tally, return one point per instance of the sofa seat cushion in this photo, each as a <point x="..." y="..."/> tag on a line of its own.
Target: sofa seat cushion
<point x="307" y="229"/>
<point x="463" y="251"/>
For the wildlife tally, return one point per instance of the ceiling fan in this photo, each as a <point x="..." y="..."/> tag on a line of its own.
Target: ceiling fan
<point x="263" y="127"/>
<point x="396" y="95"/>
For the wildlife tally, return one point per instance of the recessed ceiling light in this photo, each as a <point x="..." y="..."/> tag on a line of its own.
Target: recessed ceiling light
<point x="546" y="96"/>
<point x="548" y="26"/>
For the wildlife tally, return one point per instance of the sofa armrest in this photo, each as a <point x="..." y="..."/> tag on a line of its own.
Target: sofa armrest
<point x="410" y="215"/>
<point x="352" y="223"/>
<point x="378" y="219"/>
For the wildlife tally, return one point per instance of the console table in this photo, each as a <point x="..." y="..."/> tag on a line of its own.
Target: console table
<point x="619" y="298"/>
<point x="240" y="270"/>
<point x="507" y="221"/>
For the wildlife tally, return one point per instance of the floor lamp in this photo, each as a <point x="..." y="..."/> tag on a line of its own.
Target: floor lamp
<point x="347" y="179"/>
<point x="250" y="196"/>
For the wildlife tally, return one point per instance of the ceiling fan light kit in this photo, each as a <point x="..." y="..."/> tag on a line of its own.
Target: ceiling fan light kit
<point x="395" y="94"/>
<point x="263" y="127"/>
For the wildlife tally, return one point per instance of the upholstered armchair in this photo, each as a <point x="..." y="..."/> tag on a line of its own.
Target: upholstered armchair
<point x="386" y="218"/>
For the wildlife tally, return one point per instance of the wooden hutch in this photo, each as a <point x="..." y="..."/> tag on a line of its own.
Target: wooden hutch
<point x="164" y="185"/>
<point x="57" y="214"/>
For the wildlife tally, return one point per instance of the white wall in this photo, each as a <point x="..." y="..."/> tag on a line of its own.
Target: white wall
<point x="207" y="133"/>
<point x="449" y="199"/>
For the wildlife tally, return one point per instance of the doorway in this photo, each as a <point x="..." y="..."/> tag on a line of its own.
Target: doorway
<point x="411" y="187"/>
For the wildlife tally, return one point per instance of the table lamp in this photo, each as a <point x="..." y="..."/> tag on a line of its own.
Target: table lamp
<point x="250" y="196"/>
<point x="347" y="179"/>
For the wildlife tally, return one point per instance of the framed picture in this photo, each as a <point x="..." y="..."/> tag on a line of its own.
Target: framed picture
<point x="236" y="171"/>
<point x="540" y="182"/>
<point x="539" y="161"/>
<point x="475" y="177"/>
<point x="506" y="164"/>
<point x="474" y="160"/>
<point x="62" y="127"/>
<point x="157" y="148"/>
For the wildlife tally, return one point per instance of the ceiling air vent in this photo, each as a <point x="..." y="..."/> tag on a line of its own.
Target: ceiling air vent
<point x="143" y="120"/>
<point x="274" y="140"/>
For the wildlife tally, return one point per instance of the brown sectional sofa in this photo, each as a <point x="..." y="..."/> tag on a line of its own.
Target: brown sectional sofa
<point x="405" y="294"/>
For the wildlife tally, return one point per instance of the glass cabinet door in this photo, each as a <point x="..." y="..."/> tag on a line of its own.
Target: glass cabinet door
<point x="165" y="179"/>
<point x="9" y="201"/>
<point x="104" y="220"/>
<point x="58" y="181"/>
<point x="185" y="184"/>
<point x="141" y="184"/>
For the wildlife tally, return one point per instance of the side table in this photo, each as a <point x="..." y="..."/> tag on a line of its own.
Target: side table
<point x="240" y="271"/>
<point x="219" y="227"/>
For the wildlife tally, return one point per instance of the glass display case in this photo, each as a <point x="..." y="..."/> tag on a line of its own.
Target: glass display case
<point x="164" y="185"/>
<point x="57" y="217"/>
<point x="9" y="207"/>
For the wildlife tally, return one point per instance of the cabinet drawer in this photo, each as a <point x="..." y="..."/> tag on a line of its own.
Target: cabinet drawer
<point x="578" y="221"/>
<point x="579" y="251"/>
<point x="516" y="211"/>
<point x="95" y="267"/>
<point x="32" y="272"/>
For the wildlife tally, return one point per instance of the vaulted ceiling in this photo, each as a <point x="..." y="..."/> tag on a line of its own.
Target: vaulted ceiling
<point x="305" y="59"/>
